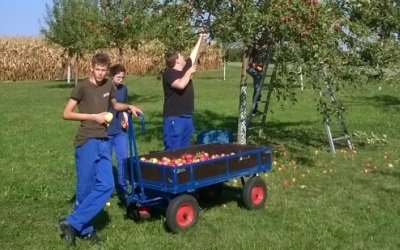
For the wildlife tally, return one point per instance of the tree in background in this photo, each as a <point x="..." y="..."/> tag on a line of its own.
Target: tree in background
<point x="127" y="22"/>
<point x="74" y="25"/>
<point x="172" y="25"/>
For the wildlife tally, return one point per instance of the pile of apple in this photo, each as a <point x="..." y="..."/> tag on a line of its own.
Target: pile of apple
<point x="183" y="159"/>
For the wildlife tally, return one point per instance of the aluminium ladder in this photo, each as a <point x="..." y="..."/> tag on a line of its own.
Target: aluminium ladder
<point x="327" y="120"/>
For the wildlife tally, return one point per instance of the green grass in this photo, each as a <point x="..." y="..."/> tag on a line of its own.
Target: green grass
<point x="346" y="201"/>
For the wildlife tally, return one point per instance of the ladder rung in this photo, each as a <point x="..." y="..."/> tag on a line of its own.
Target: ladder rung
<point x="346" y="137"/>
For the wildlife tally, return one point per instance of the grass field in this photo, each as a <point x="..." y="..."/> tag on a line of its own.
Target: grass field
<point x="316" y="200"/>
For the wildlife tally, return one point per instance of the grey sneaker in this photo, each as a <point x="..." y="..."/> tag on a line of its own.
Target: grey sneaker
<point x="67" y="232"/>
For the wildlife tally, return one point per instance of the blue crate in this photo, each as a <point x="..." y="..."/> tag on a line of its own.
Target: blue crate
<point x="214" y="136"/>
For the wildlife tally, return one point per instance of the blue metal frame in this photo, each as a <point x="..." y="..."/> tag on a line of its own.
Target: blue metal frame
<point x="169" y="187"/>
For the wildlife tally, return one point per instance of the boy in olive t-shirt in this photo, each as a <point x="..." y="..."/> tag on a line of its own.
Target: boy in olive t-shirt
<point x="95" y="181"/>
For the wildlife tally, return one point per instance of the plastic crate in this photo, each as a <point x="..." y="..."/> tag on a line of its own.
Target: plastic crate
<point x="214" y="136"/>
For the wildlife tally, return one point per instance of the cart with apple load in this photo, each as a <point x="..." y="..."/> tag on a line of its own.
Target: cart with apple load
<point x="173" y="179"/>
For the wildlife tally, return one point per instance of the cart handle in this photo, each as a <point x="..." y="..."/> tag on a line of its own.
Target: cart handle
<point x="133" y="152"/>
<point x="142" y="127"/>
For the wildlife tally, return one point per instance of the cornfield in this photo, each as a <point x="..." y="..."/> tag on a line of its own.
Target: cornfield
<point x="26" y="58"/>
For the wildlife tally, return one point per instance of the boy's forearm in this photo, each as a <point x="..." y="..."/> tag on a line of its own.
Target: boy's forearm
<point x="125" y="107"/>
<point x="119" y="106"/>
<point x="195" y="50"/>
<point x="75" y="116"/>
<point x="183" y="82"/>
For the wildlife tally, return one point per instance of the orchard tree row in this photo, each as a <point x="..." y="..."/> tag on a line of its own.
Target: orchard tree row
<point x="347" y="41"/>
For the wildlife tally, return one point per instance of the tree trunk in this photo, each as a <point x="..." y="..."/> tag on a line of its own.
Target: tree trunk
<point x="77" y="69"/>
<point x="120" y="54"/>
<point x="242" y="129"/>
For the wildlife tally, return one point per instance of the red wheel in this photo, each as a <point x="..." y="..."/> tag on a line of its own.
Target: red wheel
<point x="182" y="213"/>
<point x="144" y="213"/>
<point x="185" y="215"/>
<point x="254" y="193"/>
<point x="257" y="195"/>
<point x="138" y="213"/>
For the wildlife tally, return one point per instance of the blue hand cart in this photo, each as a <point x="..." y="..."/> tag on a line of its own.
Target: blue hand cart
<point x="174" y="187"/>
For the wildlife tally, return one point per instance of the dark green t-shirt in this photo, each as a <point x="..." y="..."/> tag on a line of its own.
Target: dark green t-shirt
<point x="92" y="99"/>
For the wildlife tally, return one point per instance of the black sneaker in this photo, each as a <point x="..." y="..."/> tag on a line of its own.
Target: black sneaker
<point x="67" y="232"/>
<point x="256" y="113"/>
<point x="92" y="237"/>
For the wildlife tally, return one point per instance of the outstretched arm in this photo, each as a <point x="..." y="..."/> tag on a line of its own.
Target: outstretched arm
<point x="195" y="51"/>
<point x="124" y="107"/>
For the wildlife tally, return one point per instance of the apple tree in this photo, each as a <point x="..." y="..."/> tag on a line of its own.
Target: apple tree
<point x="342" y="42"/>
<point x="126" y="22"/>
<point x="73" y="24"/>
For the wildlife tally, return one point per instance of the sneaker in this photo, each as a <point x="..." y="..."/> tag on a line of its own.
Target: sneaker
<point x="256" y="113"/>
<point x="92" y="237"/>
<point x="67" y="232"/>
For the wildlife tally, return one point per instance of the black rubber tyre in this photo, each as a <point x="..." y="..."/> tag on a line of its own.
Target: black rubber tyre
<point x="211" y="193"/>
<point x="254" y="193"/>
<point x="182" y="213"/>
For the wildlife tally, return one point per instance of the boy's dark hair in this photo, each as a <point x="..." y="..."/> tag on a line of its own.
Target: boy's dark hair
<point x="170" y="58"/>
<point x="116" y="69"/>
<point x="101" y="59"/>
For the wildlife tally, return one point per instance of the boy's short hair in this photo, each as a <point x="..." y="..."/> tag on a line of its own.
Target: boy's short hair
<point x="170" y="58"/>
<point x="101" y="59"/>
<point x="117" y="68"/>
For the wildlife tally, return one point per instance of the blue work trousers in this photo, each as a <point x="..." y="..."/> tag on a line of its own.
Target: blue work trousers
<point x="178" y="131"/>
<point x="257" y="76"/>
<point x="95" y="183"/>
<point x="119" y="143"/>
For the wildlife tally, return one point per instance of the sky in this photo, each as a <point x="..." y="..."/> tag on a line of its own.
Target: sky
<point x="22" y="17"/>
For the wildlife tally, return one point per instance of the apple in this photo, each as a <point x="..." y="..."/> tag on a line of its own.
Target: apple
<point x="108" y="117"/>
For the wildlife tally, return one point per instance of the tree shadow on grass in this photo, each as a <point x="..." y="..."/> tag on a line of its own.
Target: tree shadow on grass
<point x="101" y="220"/>
<point x="209" y="120"/>
<point x="229" y="194"/>
<point x="384" y="102"/>
<point x="390" y="173"/>
<point x="138" y="100"/>
<point x="62" y="85"/>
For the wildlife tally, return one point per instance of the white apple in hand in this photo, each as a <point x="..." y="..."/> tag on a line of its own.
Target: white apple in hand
<point x="109" y="116"/>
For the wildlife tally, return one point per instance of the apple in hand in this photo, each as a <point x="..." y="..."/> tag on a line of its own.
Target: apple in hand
<point x="108" y="117"/>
